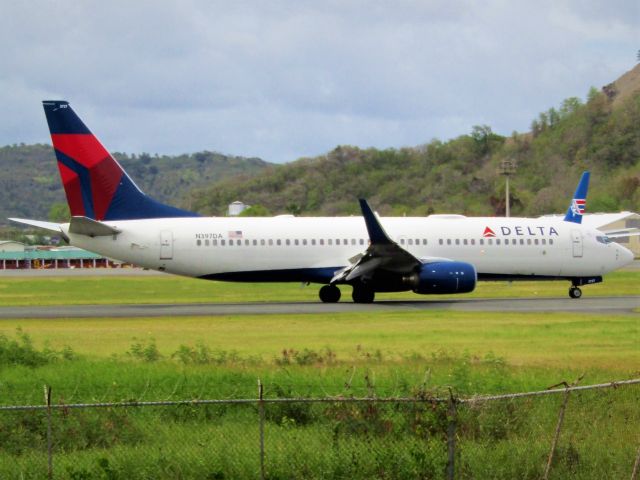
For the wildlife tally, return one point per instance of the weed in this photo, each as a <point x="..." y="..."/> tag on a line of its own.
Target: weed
<point x="146" y="352"/>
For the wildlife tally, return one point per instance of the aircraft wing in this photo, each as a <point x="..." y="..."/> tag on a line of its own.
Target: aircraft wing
<point x="382" y="253"/>
<point x="622" y="233"/>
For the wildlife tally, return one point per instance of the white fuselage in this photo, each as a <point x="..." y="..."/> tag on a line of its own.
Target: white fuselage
<point x="218" y="246"/>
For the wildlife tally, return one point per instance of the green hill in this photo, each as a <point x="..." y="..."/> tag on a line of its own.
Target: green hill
<point x="461" y="175"/>
<point x="30" y="183"/>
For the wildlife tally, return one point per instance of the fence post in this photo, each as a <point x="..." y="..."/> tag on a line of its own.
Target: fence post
<point x="47" y="399"/>
<point x="636" y="466"/>
<point x="452" y="414"/>
<point x="261" y="414"/>
<point x="556" y="436"/>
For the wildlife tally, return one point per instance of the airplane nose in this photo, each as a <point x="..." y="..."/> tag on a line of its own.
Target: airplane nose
<point x="625" y="256"/>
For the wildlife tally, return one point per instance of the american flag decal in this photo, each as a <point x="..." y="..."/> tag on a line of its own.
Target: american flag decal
<point x="235" y="234"/>
<point x="578" y="206"/>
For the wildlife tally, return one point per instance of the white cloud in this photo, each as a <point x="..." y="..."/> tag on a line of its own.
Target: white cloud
<point x="285" y="79"/>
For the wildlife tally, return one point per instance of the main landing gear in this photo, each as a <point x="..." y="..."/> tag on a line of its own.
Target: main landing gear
<point x="329" y="294"/>
<point x="362" y="294"/>
<point x="575" y="292"/>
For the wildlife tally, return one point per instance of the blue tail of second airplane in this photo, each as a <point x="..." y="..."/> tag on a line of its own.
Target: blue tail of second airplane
<point x="96" y="185"/>
<point x="579" y="201"/>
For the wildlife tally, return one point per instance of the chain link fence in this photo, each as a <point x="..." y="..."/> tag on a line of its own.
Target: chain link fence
<point x="589" y="432"/>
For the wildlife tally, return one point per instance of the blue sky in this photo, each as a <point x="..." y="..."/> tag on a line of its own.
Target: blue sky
<point x="286" y="79"/>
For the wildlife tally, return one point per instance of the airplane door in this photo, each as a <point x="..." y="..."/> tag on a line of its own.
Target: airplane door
<point x="576" y="241"/>
<point x="166" y="245"/>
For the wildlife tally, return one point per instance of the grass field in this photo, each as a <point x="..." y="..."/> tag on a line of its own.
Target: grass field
<point x="172" y="289"/>
<point x="398" y="353"/>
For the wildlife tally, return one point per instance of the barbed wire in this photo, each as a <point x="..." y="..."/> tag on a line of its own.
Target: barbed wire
<point x="329" y="399"/>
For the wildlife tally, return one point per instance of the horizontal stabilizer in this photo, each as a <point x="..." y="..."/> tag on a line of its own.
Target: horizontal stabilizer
<point x="52" y="227"/>
<point x="92" y="228"/>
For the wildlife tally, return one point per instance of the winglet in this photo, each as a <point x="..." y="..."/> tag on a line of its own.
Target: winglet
<point x="579" y="201"/>
<point x="377" y="235"/>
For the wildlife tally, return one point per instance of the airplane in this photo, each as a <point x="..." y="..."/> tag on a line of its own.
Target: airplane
<point x="438" y="254"/>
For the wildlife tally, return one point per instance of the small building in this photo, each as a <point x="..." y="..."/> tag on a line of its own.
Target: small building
<point x="11" y="246"/>
<point x="236" y="208"/>
<point x="48" y="257"/>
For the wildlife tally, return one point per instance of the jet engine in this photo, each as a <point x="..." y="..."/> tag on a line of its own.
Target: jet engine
<point x="443" y="277"/>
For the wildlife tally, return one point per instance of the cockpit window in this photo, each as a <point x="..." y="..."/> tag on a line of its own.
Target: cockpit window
<point x="603" y="239"/>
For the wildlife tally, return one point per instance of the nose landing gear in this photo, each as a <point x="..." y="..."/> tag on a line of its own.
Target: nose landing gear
<point x="575" y="292"/>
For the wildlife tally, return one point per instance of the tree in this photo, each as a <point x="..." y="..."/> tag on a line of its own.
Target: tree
<point x="255" y="211"/>
<point x="59" y="212"/>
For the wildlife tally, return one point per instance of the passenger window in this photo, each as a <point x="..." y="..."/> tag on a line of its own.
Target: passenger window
<point x="329" y="241"/>
<point x="304" y="241"/>
<point x="536" y="241"/>
<point x="551" y="241"/>
<point x="402" y="241"/>
<point x="424" y="241"/>
<point x="544" y="241"/>
<point x="506" y="241"/>
<point x="270" y="241"/>
<point x="457" y="241"/>
<point x="440" y="241"/>
<point x="473" y="241"/>
<point x="482" y="241"/>
<point x="262" y="241"/>
<point x="353" y="241"/>
<point x="230" y="242"/>
<point x="337" y="241"/>
<point x="448" y="241"/>
<point x="287" y="241"/>
<point x="246" y="243"/>
<point x="465" y="241"/>
<point x="410" y="241"/>
<point x="528" y="241"/>
<point x="278" y="242"/>
<point x="214" y="242"/>
<point x="362" y="241"/>
<point x="199" y="243"/>
<point x="222" y="243"/>
<point x="313" y="241"/>
<point x="497" y="241"/>
<point x="322" y="241"/>
<point x="296" y="242"/>
<point x="490" y="241"/>
<point x="522" y="241"/>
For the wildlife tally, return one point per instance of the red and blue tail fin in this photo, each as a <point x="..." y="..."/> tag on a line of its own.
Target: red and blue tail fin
<point x="96" y="185"/>
<point x="579" y="201"/>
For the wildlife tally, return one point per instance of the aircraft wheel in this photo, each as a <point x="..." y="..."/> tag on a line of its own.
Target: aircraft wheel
<point x="363" y="295"/>
<point x="575" y="292"/>
<point x="329" y="294"/>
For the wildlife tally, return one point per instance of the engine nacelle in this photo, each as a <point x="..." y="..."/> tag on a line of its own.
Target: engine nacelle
<point x="444" y="277"/>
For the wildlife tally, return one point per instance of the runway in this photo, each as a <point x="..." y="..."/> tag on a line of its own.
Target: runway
<point x="602" y="305"/>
